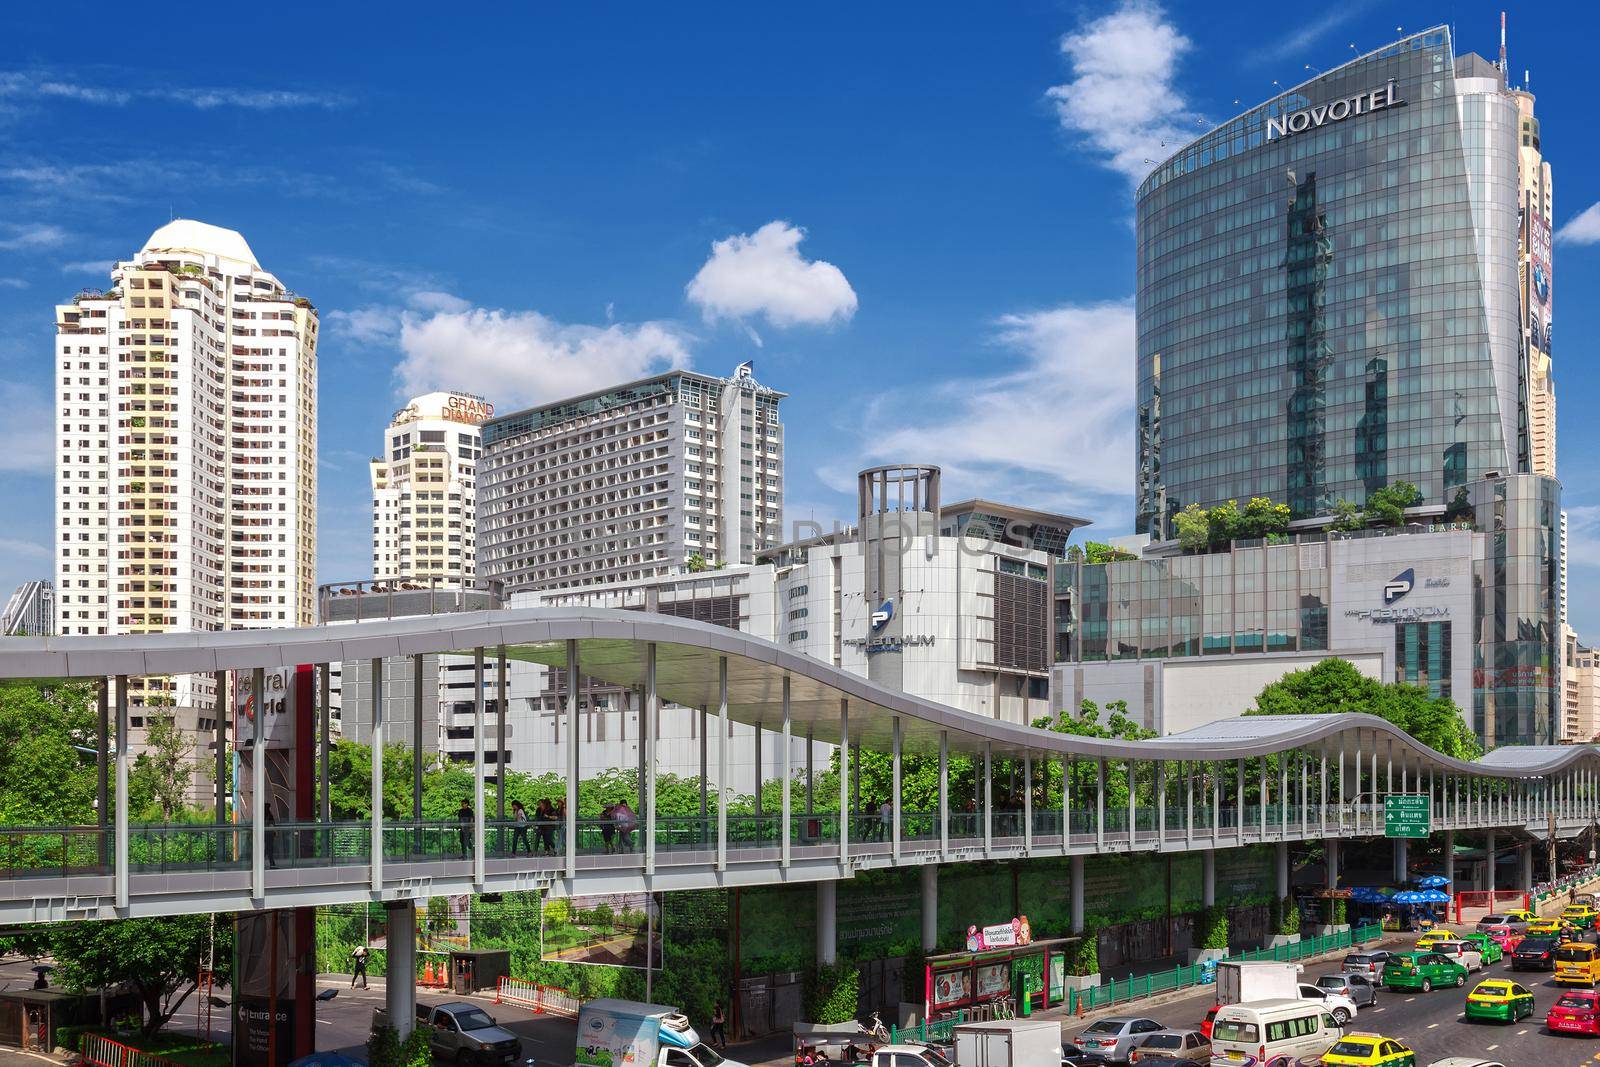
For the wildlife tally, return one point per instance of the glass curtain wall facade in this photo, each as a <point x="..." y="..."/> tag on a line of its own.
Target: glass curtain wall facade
<point x="1327" y="293"/>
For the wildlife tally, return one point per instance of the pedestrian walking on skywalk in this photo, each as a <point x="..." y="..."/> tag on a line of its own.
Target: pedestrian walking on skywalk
<point x="464" y="817"/>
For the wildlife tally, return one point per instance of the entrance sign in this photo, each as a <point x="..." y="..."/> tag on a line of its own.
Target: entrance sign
<point x="1407" y="815"/>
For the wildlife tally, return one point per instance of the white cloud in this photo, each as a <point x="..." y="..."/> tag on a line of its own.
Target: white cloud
<point x="1121" y="99"/>
<point x="30" y="430"/>
<point x="1308" y="33"/>
<point x="32" y="85"/>
<point x="13" y="283"/>
<point x="88" y="266"/>
<point x="1583" y="228"/>
<point x="763" y="274"/>
<point x="1053" y="427"/>
<point x="36" y="235"/>
<point x="519" y="358"/>
<point x="11" y="546"/>
<point x="428" y="300"/>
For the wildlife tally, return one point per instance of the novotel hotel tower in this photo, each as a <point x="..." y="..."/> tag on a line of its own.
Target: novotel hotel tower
<point x="1329" y="302"/>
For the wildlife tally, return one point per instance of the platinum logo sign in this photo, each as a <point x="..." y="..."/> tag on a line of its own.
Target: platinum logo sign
<point x="1320" y="115"/>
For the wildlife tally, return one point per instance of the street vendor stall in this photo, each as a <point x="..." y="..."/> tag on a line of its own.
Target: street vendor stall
<point x="998" y="967"/>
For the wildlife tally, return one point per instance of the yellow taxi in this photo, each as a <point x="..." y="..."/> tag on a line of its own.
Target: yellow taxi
<point x="1547" y="928"/>
<point x="1520" y="915"/>
<point x="1368" y="1050"/>
<point x="1433" y="937"/>
<point x="1580" y="915"/>
<point x="1501" y="1000"/>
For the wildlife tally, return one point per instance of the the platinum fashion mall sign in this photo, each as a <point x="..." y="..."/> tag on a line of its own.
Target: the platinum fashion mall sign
<point x="1320" y="115"/>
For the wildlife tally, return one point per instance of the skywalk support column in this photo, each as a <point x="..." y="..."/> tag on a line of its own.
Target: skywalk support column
<point x="930" y="907"/>
<point x="844" y="816"/>
<point x="1450" y="860"/>
<point x="894" y="785"/>
<point x="479" y="867"/>
<point x="1077" y="894"/>
<point x="784" y="830"/>
<point x="1027" y="802"/>
<point x="1282" y="849"/>
<point x="988" y="797"/>
<point x="722" y="763"/>
<point x="572" y="758"/>
<point x="259" y="790"/>
<point x="1208" y="878"/>
<point x="1402" y="854"/>
<point x="827" y="921"/>
<point x="121" y="832"/>
<point x="400" y="985"/>
<point x="944" y="793"/>
<point x="1489" y="851"/>
<point x="1526" y="851"/>
<point x="416" y="746"/>
<point x="501" y="699"/>
<point x="1100" y="805"/>
<point x="375" y="857"/>
<point x="649" y="727"/>
<point x="1330" y="852"/>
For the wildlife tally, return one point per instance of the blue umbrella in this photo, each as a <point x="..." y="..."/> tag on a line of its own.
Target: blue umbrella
<point x="1434" y="896"/>
<point x="1433" y="881"/>
<point x="325" y="1059"/>
<point x="1409" y="896"/>
<point x="1366" y="894"/>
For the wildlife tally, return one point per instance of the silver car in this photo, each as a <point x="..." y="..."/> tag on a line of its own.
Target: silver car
<point x="1360" y="988"/>
<point x="1515" y="925"/>
<point x="1366" y="962"/>
<point x="1173" y="1046"/>
<point x="1113" y="1040"/>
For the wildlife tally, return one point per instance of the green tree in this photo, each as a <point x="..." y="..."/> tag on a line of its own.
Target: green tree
<point x="1348" y="516"/>
<point x="1100" y="552"/>
<point x="1263" y="518"/>
<point x="1227" y="523"/>
<point x="1334" y="686"/>
<point x="44" y="778"/>
<point x="161" y="773"/>
<point x="1193" y="524"/>
<point x="1387" y="506"/>
<point x="159" y="959"/>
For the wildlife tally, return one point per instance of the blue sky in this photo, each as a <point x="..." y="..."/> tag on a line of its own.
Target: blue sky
<point x="886" y="205"/>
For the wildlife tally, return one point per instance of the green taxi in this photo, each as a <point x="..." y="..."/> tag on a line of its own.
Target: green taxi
<point x="1499" y="1000"/>
<point x="1580" y="915"/>
<point x="1487" y="946"/>
<point x="1422" y="971"/>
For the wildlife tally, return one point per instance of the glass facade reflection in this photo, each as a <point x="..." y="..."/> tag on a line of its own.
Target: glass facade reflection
<point x="1324" y="312"/>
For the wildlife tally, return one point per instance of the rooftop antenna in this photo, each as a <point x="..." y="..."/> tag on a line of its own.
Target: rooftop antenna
<point x="1502" y="43"/>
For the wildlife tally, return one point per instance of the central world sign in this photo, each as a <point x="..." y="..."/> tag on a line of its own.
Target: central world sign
<point x="1310" y="118"/>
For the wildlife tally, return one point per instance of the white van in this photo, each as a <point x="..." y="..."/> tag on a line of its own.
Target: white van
<point x="1254" y="1032"/>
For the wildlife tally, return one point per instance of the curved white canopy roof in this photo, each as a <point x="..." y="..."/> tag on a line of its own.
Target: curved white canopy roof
<point x="613" y="648"/>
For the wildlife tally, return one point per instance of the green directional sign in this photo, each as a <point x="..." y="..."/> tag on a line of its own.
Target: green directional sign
<point x="1408" y="815"/>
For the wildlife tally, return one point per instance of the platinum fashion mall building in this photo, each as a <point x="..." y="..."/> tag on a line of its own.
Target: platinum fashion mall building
<point x="1332" y="297"/>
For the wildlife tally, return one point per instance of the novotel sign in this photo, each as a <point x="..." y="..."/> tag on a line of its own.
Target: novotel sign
<point x="1310" y="118"/>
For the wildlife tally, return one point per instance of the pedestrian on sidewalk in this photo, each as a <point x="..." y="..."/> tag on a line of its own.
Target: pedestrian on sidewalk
<point x="359" y="956"/>
<point x="719" y="1033"/>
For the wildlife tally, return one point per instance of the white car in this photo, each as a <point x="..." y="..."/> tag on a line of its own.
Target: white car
<point x="1341" y="1007"/>
<point x="1462" y="952"/>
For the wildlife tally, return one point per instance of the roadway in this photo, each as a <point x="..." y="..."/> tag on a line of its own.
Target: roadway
<point x="1428" y="1023"/>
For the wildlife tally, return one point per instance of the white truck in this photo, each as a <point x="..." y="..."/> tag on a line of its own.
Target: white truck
<point x="625" y="1033"/>
<point x="1239" y="982"/>
<point x="1003" y="1043"/>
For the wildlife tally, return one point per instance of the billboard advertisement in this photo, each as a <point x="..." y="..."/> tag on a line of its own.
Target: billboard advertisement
<point x="1541" y="295"/>
<point x="609" y="928"/>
